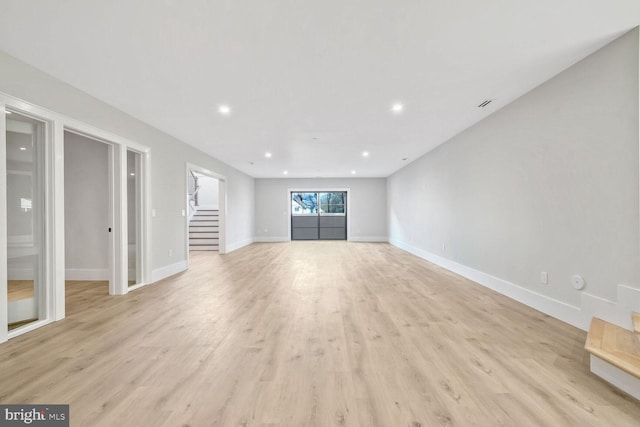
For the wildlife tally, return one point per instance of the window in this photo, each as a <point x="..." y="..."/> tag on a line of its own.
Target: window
<point x="304" y="203"/>
<point x="332" y="203"/>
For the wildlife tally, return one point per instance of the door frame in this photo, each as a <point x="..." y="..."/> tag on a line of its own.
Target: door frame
<point x="51" y="305"/>
<point x="222" y="206"/>
<point x="54" y="259"/>
<point x="319" y="190"/>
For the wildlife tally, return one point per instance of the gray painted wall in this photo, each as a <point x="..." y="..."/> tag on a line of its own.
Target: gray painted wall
<point x="368" y="199"/>
<point x="548" y="183"/>
<point x="86" y="203"/>
<point x="168" y="159"/>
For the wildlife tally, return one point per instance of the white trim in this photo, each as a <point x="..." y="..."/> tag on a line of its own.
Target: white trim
<point x="21" y="309"/>
<point x="57" y="298"/>
<point x="238" y="245"/>
<point x="4" y="309"/>
<point x="50" y="217"/>
<point x="28" y="328"/>
<point x="373" y="239"/>
<point x="558" y="309"/>
<point x="618" y="313"/>
<point x="617" y="377"/>
<point x="20" y="274"/>
<point x="88" y="274"/>
<point x="166" y="271"/>
<point x="271" y="239"/>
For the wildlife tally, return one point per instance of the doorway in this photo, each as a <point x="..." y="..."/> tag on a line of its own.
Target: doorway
<point x="87" y="208"/>
<point x="205" y="210"/>
<point x="318" y="215"/>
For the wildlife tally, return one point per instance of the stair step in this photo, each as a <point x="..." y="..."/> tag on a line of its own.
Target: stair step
<point x="204" y="229"/>
<point x="204" y="234"/>
<point x="203" y="247"/>
<point x="205" y="218"/>
<point x="615" y="345"/>
<point x="204" y="223"/>
<point x="636" y="321"/>
<point x="203" y="241"/>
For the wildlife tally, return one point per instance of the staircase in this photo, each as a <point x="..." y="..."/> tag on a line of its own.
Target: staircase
<point x="615" y="353"/>
<point x="204" y="230"/>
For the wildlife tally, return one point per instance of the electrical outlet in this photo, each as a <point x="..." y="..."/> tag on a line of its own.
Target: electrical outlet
<point x="184" y="213"/>
<point x="153" y="213"/>
<point x="444" y="248"/>
<point x="170" y="252"/>
<point x="544" y="278"/>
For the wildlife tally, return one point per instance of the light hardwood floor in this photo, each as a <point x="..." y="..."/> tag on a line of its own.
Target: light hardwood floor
<point x="310" y="334"/>
<point x="19" y="289"/>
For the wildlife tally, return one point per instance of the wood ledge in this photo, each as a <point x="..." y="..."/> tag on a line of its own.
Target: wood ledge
<point x="615" y="345"/>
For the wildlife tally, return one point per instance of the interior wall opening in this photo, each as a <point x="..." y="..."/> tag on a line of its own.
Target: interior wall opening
<point x="88" y="264"/>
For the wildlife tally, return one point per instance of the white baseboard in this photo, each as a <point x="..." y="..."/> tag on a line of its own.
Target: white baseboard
<point x="87" y="274"/>
<point x="20" y="274"/>
<point x="618" y="313"/>
<point x="230" y="247"/>
<point x="22" y="309"/>
<point x="558" y="309"/>
<point x="351" y="239"/>
<point x="617" y="377"/>
<point x="169" y="270"/>
<point x="368" y="239"/>
<point x="271" y="239"/>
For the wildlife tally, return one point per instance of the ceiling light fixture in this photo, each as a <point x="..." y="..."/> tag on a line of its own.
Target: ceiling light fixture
<point x="285" y="173"/>
<point x="365" y="154"/>
<point x="267" y="155"/>
<point x="132" y="174"/>
<point x="397" y="108"/>
<point x="8" y="112"/>
<point x="225" y="110"/>
<point x="353" y="172"/>
<point x="23" y="148"/>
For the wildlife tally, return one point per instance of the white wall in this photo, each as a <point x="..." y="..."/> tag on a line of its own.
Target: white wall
<point x="548" y="183"/>
<point x="86" y="208"/>
<point x="208" y="193"/>
<point x="367" y="209"/>
<point x="168" y="161"/>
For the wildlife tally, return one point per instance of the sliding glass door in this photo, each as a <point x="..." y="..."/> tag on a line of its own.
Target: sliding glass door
<point x="319" y="215"/>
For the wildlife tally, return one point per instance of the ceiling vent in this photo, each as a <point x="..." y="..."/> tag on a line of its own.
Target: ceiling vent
<point x="485" y="103"/>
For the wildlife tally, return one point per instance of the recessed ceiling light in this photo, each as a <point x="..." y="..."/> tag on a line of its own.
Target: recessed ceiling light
<point x="353" y="172"/>
<point x="267" y="155"/>
<point x="397" y="108"/>
<point x="285" y="173"/>
<point x="132" y="174"/>
<point x="365" y="154"/>
<point x="23" y="148"/>
<point x="225" y="110"/>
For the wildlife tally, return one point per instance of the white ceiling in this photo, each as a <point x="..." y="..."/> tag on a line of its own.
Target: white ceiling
<point x="311" y="82"/>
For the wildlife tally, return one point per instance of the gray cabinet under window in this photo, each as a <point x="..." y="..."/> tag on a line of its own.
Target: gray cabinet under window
<point x="319" y="215"/>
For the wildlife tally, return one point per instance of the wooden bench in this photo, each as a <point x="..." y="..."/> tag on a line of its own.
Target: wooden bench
<point x="615" y="354"/>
